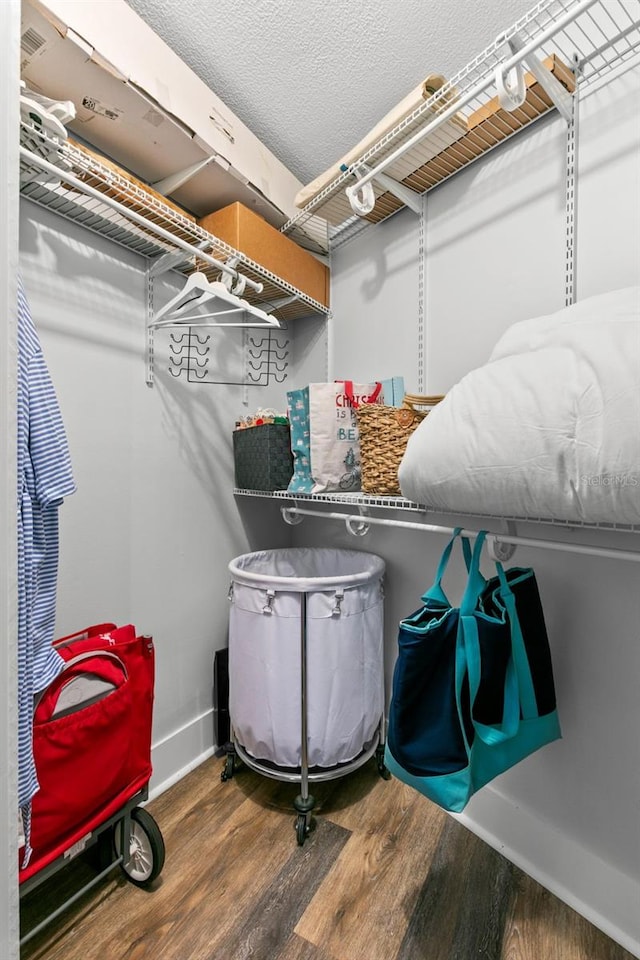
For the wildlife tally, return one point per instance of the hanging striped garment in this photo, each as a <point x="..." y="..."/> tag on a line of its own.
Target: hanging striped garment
<point x="44" y="478"/>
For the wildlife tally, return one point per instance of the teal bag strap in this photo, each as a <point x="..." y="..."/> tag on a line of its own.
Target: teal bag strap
<point x="469" y="642"/>
<point x="461" y="671"/>
<point x="475" y="585"/>
<point x="475" y="581"/>
<point x="435" y="591"/>
<point x="527" y="694"/>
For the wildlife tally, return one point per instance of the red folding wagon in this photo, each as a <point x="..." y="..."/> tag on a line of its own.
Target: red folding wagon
<point x="92" y="750"/>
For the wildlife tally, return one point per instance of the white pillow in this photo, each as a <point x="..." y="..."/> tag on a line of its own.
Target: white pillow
<point x="548" y="428"/>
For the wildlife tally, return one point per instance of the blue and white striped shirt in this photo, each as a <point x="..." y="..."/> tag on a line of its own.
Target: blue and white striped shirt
<point x="44" y="478"/>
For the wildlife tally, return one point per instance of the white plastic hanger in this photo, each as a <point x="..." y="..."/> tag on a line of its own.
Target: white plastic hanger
<point x="42" y="132"/>
<point x="198" y="291"/>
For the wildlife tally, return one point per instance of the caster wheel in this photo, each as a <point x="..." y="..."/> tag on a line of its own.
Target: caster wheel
<point x="302" y="830"/>
<point x="228" y="769"/>
<point x="382" y="769"/>
<point x="146" y="848"/>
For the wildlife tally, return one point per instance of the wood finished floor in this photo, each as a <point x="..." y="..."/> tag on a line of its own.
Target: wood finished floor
<point x="385" y="875"/>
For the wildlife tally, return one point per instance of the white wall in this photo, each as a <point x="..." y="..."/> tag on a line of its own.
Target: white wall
<point x="495" y="255"/>
<point x="148" y="535"/>
<point x="374" y="299"/>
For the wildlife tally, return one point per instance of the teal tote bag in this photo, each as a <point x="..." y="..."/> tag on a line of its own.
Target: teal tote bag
<point x="473" y="691"/>
<point x="298" y="412"/>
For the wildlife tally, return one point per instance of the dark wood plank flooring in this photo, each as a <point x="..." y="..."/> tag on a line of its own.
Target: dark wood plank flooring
<point x="385" y="875"/>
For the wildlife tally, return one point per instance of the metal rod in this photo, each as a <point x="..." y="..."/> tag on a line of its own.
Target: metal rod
<point x="592" y="551"/>
<point x="128" y="214"/>
<point x="318" y="776"/>
<point x="304" y="745"/>
<point x="76" y="896"/>
<point x="479" y="88"/>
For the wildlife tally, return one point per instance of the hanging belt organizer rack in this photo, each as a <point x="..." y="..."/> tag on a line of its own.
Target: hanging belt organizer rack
<point x="76" y="184"/>
<point x="558" y="46"/>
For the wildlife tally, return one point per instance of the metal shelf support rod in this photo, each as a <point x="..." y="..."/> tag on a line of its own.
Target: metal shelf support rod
<point x="72" y="899"/>
<point x="587" y="550"/>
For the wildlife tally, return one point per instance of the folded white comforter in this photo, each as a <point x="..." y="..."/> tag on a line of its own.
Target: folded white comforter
<point x="548" y="428"/>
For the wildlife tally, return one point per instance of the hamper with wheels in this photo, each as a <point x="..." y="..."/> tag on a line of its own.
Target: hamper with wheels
<point x="306" y="676"/>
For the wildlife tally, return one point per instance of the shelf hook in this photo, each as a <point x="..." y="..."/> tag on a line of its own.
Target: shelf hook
<point x="561" y="97"/>
<point x="512" y="91"/>
<point x="362" y="197"/>
<point x="358" y="528"/>
<point x="290" y="515"/>
<point x="498" y="550"/>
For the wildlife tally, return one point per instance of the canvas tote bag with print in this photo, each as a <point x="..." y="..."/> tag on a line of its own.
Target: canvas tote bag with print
<point x="298" y="411"/>
<point x="335" y="447"/>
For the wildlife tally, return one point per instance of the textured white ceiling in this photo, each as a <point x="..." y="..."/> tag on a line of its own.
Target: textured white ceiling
<point x="310" y="78"/>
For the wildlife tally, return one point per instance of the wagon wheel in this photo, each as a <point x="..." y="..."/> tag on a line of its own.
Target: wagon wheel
<point x="146" y="849"/>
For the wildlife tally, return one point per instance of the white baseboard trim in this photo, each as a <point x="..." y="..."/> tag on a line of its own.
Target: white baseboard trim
<point x="594" y="888"/>
<point x="180" y="752"/>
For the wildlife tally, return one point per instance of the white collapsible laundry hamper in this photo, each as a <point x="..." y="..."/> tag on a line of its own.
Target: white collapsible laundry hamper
<point x="306" y="671"/>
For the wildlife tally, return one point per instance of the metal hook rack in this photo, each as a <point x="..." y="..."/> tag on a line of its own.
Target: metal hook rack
<point x="186" y="356"/>
<point x="190" y="355"/>
<point x="266" y="359"/>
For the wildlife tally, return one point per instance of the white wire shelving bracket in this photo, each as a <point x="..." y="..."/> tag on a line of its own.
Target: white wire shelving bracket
<point x="586" y="37"/>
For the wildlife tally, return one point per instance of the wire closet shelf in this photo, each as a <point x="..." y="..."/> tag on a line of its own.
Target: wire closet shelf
<point x="584" y="38"/>
<point x="76" y="185"/>
<point x="358" y="519"/>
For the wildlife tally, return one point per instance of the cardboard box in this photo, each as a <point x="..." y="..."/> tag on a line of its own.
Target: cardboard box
<point x="120" y="172"/>
<point x="138" y="103"/>
<point x="247" y="232"/>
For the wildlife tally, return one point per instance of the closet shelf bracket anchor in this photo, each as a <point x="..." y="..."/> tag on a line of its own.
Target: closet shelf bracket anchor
<point x="270" y="306"/>
<point x="290" y="515"/>
<point x="363" y="200"/>
<point x="501" y="550"/>
<point x="176" y="180"/>
<point x="560" y="96"/>
<point x="170" y="260"/>
<point x="359" y="528"/>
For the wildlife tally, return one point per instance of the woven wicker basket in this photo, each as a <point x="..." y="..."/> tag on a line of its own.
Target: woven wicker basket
<point x="384" y="432"/>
